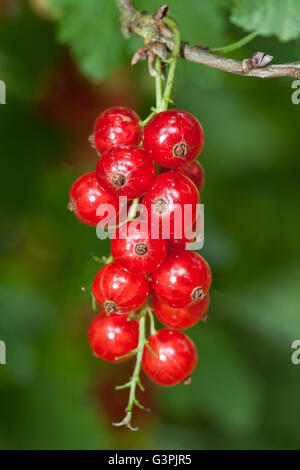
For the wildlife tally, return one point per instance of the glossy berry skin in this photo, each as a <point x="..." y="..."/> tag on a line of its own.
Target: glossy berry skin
<point x="133" y="247"/>
<point x="113" y="336"/>
<point x="181" y="318"/>
<point x="190" y="236"/>
<point x="176" y="357"/>
<point x="117" y="289"/>
<point x="194" y="170"/>
<point x="125" y="170"/>
<point x="165" y="194"/>
<point x="116" y="126"/>
<point x="183" y="279"/>
<point x="86" y="195"/>
<point x="173" y="138"/>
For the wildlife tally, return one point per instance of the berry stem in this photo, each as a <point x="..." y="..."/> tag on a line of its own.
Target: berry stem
<point x="162" y="101"/>
<point x="132" y="210"/>
<point x="158" y="83"/>
<point x="152" y="322"/>
<point x="166" y="98"/>
<point x="135" y="379"/>
<point x="235" y="45"/>
<point x="103" y="260"/>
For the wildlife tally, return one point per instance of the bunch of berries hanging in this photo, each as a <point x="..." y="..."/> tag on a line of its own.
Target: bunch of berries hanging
<point x="153" y="164"/>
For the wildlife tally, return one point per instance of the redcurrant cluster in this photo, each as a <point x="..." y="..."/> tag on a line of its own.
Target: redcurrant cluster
<point x="146" y="274"/>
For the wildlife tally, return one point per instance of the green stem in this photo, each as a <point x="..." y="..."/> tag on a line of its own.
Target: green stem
<point x="152" y="322"/>
<point x="108" y="259"/>
<point x="162" y="101"/>
<point x="158" y="82"/>
<point x="235" y="45"/>
<point x="135" y="379"/>
<point x="133" y="209"/>
<point x="166" y="99"/>
<point x="131" y="215"/>
<point x="103" y="260"/>
<point x="148" y="118"/>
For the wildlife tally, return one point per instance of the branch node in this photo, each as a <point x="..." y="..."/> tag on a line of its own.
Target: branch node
<point x="161" y="13"/>
<point x="259" y="60"/>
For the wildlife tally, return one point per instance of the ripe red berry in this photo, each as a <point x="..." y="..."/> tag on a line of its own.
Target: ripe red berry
<point x="86" y="195"/>
<point x="116" y="126"/>
<point x="168" y="195"/>
<point x="173" y="138"/>
<point x="125" y="170"/>
<point x="183" y="279"/>
<point x="113" y="336"/>
<point x="194" y="170"/>
<point x="117" y="289"/>
<point x="190" y="236"/>
<point x="176" y="357"/>
<point x="182" y="318"/>
<point x="133" y="247"/>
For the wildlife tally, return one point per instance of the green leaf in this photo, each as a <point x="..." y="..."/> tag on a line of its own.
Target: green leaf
<point x="278" y="17"/>
<point x="91" y="29"/>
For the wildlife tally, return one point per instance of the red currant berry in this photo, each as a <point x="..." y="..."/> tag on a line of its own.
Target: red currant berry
<point x="119" y="290"/>
<point x="166" y="195"/>
<point x="183" y="279"/>
<point x="179" y="243"/>
<point x="86" y="195"/>
<point x="176" y="357"/>
<point x="125" y="170"/>
<point x="173" y="137"/>
<point x="136" y="251"/>
<point x="116" y="126"/>
<point x="180" y="317"/>
<point x="113" y="336"/>
<point x="190" y="236"/>
<point x="194" y="170"/>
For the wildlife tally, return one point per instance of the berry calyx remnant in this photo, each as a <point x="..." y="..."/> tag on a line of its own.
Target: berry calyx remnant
<point x="125" y="170"/>
<point x="136" y="251"/>
<point x="86" y="195"/>
<point x="182" y="279"/>
<point x="173" y="138"/>
<point x="180" y="318"/>
<point x="115" y="288"/>
<point x="169" y="197"/>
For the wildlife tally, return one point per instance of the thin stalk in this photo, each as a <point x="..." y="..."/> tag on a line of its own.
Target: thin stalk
<point x="162" y="101"/>
<point x="235" y="45"/>
<point x="166" y="99"/>
<point x="103" y="260"/>
<point x="108" y="259"/>
<point x="158" y="82"/>
<point x="148" y="118"/>
<point x="135" y="379"/>
<point x="131" y="215"/>
<point x="152" y="322"/>
<point x="133" y="209"/>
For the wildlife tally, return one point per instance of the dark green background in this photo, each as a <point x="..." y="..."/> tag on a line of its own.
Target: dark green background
<point x="53" y="392"/>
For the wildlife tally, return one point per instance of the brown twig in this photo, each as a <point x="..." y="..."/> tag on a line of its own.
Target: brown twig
<point x="148" y="28"/>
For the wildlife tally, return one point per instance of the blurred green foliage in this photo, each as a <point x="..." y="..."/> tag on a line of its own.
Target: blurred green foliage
<point x="53" y="392"/>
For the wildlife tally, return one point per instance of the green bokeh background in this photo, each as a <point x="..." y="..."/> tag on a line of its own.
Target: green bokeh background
<point x="53" y="393"/>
